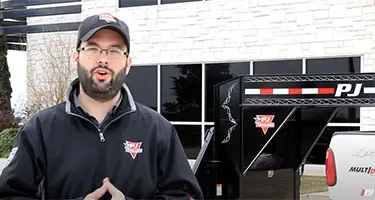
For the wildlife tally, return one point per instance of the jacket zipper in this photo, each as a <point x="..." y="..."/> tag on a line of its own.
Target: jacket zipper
<point x="102" y="168"/>
<point x="101" y="135"/>
<point x="101" y="132"/>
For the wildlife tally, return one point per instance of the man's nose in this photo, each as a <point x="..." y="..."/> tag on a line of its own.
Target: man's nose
<point x="103" y="58"/>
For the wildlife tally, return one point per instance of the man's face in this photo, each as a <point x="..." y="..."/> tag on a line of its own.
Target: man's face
<point x="101" y="75"/>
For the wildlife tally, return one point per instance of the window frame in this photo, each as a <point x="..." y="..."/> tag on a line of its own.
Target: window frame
<point x="203" y="123"/>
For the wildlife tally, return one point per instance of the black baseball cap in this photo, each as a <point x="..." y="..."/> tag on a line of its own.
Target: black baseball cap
<point x="94" y="23"/>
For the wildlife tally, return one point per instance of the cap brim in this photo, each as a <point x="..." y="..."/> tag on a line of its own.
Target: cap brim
<point x="89" y="34"/>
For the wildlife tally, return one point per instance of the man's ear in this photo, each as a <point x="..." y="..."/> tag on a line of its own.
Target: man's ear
<point x="75" y="56"/>
<point x="129" y="64"/>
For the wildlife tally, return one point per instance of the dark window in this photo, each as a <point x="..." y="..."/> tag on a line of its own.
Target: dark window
<point x="176" y="1"/>
<point x="181" y="92"/>
<point x="141" y="79"/>
<point x="216" y="73"/>
<point x="343" y="115"/>
<point x="130" y="3"/>
<point x="349" y="115"/>
<point x="317" y="154"/>
<point x="283" y="67"/>
<point x="190" y="137"/>
<point x="333" y="65"/>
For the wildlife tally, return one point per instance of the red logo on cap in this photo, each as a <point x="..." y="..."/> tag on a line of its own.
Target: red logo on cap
<point x="107" y="17"/>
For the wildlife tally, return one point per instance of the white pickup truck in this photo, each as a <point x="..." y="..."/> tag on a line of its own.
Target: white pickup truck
<point x="350" y="166"/>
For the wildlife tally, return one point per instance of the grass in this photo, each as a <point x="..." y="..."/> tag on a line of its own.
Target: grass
<point x="311" y="184"/>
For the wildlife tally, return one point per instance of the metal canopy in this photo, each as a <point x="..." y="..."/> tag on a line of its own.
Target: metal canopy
<point x="14" y="14"/>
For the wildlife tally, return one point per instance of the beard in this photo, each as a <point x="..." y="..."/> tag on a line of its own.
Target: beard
<point x="97" y="90"/>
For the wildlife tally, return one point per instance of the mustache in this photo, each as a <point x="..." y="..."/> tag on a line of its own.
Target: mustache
<point x="102" y="67"/>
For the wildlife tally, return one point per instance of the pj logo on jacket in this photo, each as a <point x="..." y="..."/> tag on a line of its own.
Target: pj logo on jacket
<point x="133" y="148"/>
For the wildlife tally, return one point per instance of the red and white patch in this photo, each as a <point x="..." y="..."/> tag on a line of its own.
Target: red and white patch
<point x="108" y="17"/>
<point x="264" y="122"/>
<point x="367" y="192"/>
<point x="133" y="148"/>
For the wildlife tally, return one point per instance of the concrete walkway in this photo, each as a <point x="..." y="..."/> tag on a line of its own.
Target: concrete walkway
<point x="3" y="163"/>
<point x="315" y="196"/>
<point x="314" y="170"/>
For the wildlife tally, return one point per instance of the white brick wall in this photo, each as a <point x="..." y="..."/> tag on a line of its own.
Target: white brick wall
<point x="54" y="19"/>
<point x="90" y="7"/>
<point x="249" y="30"/>
<point x="225" y="30"/>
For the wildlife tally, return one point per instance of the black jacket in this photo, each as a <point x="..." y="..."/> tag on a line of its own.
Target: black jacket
<point x="68" y="154"/>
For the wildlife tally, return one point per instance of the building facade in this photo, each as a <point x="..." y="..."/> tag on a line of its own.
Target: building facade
<point x="181" y="48"/>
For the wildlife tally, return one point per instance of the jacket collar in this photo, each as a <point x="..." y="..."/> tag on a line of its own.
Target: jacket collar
<point x="126" y="105"/>
<point x="78" y="105"/>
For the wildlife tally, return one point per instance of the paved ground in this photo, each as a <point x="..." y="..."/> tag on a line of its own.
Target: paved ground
<point x="315" y="196"/>
<point x="310" y="170"/>
<point x="2" y="164"/>
<point x="314" y="170"/>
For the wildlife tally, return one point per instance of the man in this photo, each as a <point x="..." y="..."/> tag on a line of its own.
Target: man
<point x="99" y="143"/>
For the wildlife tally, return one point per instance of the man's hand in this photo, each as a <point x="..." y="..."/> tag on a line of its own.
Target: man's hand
<point x="116" y="193"/>
<point x="106" y="187"/>
<point x="97" y="194"/>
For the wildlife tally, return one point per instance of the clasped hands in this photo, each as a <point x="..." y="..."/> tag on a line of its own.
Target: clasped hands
<point x="106" y="187"/>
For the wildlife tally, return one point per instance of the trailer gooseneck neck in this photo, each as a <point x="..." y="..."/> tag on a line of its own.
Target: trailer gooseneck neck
<point x="266" y="126"/>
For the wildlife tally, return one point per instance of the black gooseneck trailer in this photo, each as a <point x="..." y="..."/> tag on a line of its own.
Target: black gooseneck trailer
<point x="266" y="126"/>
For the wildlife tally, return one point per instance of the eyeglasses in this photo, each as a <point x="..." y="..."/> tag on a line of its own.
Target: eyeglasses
<point x="95" y="51"/>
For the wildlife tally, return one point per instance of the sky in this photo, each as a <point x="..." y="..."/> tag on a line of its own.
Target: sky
<point x="17" y="63"/>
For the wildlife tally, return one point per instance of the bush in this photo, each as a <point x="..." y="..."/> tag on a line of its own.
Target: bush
<point x="7" y="119"/>
<point x="6" y="141"/>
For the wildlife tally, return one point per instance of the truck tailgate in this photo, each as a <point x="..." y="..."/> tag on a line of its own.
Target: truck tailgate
<point x="354" y="155"/>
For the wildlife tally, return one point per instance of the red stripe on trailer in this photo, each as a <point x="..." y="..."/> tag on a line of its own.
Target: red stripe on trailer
<point x="326" y="90"/>
<point x="295" y="90"/>
<point x="266" y="91"/>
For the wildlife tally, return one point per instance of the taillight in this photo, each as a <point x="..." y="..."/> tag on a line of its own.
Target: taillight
<point x="331" y="178"/>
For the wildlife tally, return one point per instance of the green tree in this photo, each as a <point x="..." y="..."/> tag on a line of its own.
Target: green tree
<point x="7" y="119"/>
<point x="4" y="74"/>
